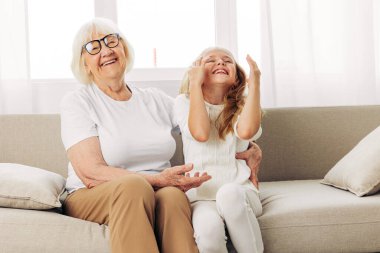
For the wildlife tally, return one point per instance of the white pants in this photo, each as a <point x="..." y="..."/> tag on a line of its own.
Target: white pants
<point x="236" y="206"/>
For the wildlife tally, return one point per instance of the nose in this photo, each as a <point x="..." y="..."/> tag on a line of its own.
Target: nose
<point x="105" y="51"/>
<point x="220" y="62"/>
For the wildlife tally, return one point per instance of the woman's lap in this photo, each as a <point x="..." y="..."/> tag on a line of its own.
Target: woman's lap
<point x="160" y="215"/>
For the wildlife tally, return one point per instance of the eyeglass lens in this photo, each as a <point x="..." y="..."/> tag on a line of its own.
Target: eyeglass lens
<point x="94" y="47"/>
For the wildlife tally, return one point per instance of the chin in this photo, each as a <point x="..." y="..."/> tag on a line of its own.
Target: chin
<point x="223" y="80"/>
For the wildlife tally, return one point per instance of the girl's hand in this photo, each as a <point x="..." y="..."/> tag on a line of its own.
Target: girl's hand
<point x="254" y="73"/>
<point x="196" y="74"/>
<point x="177" y="176"/>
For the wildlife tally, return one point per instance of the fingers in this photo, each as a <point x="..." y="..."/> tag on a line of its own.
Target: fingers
<point x="198" y="62"/>
<point x="197" y="178"/>
<point x="197" y="181"/>
<point x="256" y="168"/>
<point x="242" y="155"/>
<point x="255" y="182"/>
<point x="253" y="151"/>
<point x="251" y="62"/>
<point x="254" y="69"/>
<point x="193" y="182"/>
<point x="183" y="179"/>
<point x="249" y="59"/>
<point x="254" y="145"/>
<point x="202" y="63"/>
<point x="196" y="174"/>
<point x="182" y="169"/>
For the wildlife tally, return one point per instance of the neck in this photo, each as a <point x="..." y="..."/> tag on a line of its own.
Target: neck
<point x="214" y="94"/>
<point x="115" y="89"/>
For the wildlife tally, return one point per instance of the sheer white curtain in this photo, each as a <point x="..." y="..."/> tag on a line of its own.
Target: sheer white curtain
<point x="314" y="53"/>
<point x="15" y="86"/>
<point x="320" y="52"/>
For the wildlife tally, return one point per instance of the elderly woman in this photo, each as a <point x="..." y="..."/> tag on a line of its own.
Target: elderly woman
<point x="119" y="143"/>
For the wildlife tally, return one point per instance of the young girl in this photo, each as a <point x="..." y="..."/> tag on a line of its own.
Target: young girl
<point x="217" y="119"/>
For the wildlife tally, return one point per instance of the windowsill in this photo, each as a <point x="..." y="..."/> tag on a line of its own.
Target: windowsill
<point x="138" y="75"/>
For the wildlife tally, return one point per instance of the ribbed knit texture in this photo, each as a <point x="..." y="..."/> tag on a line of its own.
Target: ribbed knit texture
<point x="216" y="156"/>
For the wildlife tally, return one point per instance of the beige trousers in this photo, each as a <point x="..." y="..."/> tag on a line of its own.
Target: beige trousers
<point x="140" y="219"/>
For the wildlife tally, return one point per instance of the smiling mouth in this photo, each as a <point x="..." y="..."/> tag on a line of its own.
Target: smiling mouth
<point x="220" y="71"/>
<point x="108" y="62"/>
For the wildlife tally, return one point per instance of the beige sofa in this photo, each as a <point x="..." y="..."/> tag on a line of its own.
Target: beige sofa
<point x="299" y="214"/>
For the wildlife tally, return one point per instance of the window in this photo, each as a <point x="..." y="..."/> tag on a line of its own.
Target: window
<point x="13" y="48"/>
<point x="52" y="26"/>
<point x="248" y="30"/>
<point x="167" y="33"/>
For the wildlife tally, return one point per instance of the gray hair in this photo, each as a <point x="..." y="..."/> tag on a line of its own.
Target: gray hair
<point x="84" y="35"/>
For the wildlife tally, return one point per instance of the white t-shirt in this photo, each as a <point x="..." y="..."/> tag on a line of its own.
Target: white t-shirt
<point x="133" y="134"/>
<point x="215" y="156"/>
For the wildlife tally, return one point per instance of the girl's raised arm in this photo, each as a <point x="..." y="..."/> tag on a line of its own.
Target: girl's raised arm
<point x="199" y="122"/>
<point x="250" y="117"/>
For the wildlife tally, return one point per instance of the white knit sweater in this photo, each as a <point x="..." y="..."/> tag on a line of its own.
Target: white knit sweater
<point x="216" y="156"/>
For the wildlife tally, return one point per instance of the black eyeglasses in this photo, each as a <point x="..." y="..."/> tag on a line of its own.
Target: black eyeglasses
<point x="95" y="46"/>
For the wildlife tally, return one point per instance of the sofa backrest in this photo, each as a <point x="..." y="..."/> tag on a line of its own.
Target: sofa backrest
<point x="33" y="140"/>
<point x="305" y="143"/>
<point x="297" y="143"/>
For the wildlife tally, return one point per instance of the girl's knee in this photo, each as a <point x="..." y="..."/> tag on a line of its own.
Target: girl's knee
<point x="232" y="200"/>
<point x="211" y="240"/>
<point x="229" y="195"/>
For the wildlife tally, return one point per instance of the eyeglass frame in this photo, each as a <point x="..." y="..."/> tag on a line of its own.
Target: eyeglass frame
<point x="100" y="43"/>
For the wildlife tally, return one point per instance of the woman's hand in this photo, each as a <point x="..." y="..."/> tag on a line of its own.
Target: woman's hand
<point x="252" y="157"/>
<point x="196" y="74"/>
<point x="254" y="73"/>
<point x="178" y="177"/>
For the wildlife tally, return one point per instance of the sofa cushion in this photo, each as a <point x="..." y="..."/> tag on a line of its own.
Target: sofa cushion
<point x="48" y="231"/>
<point x="306" y="216"/>
<point x="27" y="187"/>
<point x="359" y="170"/>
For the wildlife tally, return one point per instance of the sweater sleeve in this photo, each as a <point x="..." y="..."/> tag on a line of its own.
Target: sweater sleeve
<point x="254" y="138"/>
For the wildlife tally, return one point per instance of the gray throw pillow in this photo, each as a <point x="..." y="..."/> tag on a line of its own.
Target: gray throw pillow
<point x="359" y="170"/>
<point x="28" y="187"/>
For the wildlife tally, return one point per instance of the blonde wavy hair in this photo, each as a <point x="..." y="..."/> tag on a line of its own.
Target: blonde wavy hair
<point x="233" y="100"/>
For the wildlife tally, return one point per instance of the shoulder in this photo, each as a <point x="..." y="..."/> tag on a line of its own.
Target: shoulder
<point x="181" y="105"/>
<point x="79" y="96"/>
<point x="182" y="99"/>
<point x="154" y="96"/>
<point x="151" y="92"/>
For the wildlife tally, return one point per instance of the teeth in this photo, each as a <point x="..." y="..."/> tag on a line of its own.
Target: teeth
<point x="108" y="62"/>
<point x="220" y="71"/>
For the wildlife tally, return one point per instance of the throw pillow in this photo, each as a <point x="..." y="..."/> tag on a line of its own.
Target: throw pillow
<point x="359" y="170"/>
<point x="27" y="187"/>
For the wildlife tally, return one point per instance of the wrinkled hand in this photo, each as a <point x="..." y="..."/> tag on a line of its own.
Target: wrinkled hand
<point x="252" y="157"/>
<point x="196" y="73"/>
<point x="254" y="72"/>
<point x="178" y="177"/>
